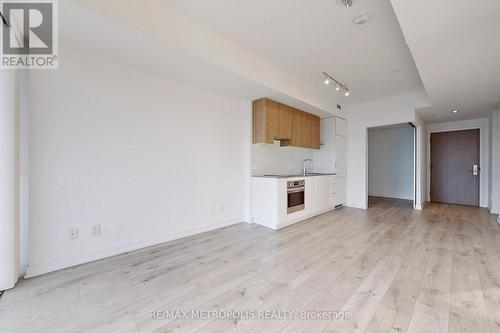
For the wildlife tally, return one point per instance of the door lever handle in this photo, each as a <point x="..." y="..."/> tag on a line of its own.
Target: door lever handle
<point x="475" y="169"/>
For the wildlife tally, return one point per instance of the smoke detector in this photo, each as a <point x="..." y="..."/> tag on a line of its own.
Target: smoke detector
<point x="360" y="20"/>
<point x="346" y="3"/>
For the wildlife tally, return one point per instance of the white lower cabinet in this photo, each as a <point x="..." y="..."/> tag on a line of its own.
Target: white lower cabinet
<point x="311" y="196"/>
<point x="332" y="193"/>
<point x="320" y="193"/>
<point x="269" y="199"/>
<point x="340" y="191"/>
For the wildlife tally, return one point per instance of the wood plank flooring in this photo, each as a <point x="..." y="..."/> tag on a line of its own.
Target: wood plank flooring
<point x="389" y="202"/>
<point x="393" y="269"/>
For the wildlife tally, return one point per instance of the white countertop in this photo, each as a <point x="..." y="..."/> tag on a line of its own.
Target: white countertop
<point x="295" y="176"/>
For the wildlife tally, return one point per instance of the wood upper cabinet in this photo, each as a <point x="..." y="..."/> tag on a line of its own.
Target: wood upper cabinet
<point x="305" y="131"/>
<point x="276" y="121"/>
<point x="300" y="130"/>
<point x="314" y="131"/>
<point x="271" y="121"/>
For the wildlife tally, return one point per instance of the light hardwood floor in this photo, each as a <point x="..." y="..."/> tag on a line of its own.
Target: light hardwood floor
<point x="387" y="202"/>
<point x="394" y="269"/>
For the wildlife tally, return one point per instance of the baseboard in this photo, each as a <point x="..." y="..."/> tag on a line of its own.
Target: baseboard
<point x="421" y="206"/>
<point x="353" y="205"/>
<point x="266" y="224"/>
<point x="50" y="266"/>
<point x="494" y="210"/>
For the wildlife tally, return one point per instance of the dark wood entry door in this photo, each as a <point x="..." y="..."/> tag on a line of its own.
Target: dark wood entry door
<point x="454" y="157"/>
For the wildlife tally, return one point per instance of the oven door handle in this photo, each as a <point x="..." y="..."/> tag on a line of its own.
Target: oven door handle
<point x="296" y="190"/>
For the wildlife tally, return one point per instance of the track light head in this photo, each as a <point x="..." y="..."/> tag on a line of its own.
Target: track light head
<point x="338" y="85"/>
<point x="327" y="78"/>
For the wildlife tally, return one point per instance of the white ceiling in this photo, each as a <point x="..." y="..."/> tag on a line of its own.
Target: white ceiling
<point x="308" y="37"/>
<point x="270" y="45"/>
<point x="456" y="47"/>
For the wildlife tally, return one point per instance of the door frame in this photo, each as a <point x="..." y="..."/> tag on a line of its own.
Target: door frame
<point x="483" y="125"/>
<point x="415" y="162"/>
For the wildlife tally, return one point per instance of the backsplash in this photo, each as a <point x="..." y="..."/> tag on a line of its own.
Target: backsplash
<point x="273" y="159"/>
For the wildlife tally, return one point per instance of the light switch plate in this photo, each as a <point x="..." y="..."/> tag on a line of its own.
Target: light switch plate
<point x="96" y="230"/>
<point x="73" y="234"/>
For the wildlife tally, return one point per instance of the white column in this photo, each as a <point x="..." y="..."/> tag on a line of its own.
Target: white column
<point x="495" y="162"/>
<point x="495" y="165"/>
<point x="9" y="231"/>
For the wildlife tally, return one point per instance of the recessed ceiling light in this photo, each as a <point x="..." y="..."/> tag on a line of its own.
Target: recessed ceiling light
<point x="454" y="111"/>
<point x="347" y="93"/>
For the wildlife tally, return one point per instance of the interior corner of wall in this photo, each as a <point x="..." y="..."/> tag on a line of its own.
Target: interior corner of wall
<point x="354" y="205"/>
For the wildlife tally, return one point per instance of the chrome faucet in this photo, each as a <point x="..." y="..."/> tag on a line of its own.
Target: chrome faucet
<point x="305" y="164"/>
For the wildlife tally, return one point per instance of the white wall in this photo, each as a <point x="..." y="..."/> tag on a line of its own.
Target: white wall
<point x="391" y="162"/>
<point x="484" y="152"/>
<point x="272" y="159"/>
<point x="495" y="163"/>
<point x="147" y="158"/>
<point x="394" y="110"/>
<point x="421" y="165"/>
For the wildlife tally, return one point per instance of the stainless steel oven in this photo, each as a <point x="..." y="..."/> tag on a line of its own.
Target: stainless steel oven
<point x="296" y="196"/>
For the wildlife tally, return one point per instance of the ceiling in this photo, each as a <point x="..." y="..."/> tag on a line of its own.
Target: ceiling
<point x="456" y="47"/>
<point x="307" y="38"/>
<point x="153" y="38"/>
<point x="279" y="49"/>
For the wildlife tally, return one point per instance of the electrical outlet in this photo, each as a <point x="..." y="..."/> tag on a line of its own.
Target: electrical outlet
<point x="96" y="230"/>
<point x="73" y="234"/>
